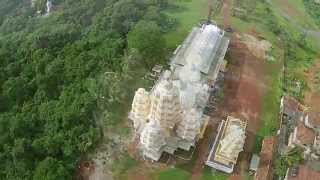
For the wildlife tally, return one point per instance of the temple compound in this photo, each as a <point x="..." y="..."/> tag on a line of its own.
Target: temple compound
<point x="171" y="115"/>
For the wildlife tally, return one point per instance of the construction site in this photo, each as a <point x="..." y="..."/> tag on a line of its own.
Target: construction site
<point x="213" y="110"/>
<point x="173" y="114"/>
<point x="204" y="108"/>
<point x="183" y="109"/>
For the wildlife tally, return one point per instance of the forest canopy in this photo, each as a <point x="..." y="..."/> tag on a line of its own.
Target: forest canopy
<point x="51" y="68"/>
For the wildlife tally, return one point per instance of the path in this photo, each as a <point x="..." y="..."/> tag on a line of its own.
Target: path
<point x="226" y="7"/>
<point x="202" y="150"/>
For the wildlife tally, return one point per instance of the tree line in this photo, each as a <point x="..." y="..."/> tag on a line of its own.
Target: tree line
<point x="52" y="76"/>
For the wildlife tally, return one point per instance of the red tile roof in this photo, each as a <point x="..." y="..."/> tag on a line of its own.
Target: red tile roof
<point x="314" y="118"/>
<point x="305" y="173"/>
<point x="305" y="135"/>
<point x="291" y="103"/>
<point x="268" y="147"/>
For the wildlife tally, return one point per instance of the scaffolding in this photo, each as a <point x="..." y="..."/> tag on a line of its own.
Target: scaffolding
<point x="152" y="140"/>
<point x="170" y="116"/>
<point x="140" y="109"/>
<point x="165" y="105"/>
<point x="190" y="126"/>
<point x="232" y="141"/>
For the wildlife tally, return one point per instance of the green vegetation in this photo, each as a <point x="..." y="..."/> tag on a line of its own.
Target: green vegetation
<point x="188" y="13"/>
<point x="51" y="169"/>
<point x="295" y="51"/>
<point x="264" y="21"/>
<point x="173" y="173"/>
<point x="146" y="37"/>
<point x="291" y="158"/>
<point x="122" y="165"/>
<point x="270" y="106"/>
<point x="295" y="12"/>
<point x="209" y="174"/>
<point x="65" y="76"/>
<point x="313" y="9"/>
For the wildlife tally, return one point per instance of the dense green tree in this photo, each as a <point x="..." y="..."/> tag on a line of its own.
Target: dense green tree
<point x="292" y="158"/>
<point x="146" y="37"/>
<point x="62" y="74"/>
<point x="51" y="169"/>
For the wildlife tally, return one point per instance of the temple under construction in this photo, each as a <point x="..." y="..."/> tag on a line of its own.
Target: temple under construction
<point x="171" y="115"/>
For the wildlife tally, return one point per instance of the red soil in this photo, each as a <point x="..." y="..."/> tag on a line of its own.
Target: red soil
<point x="243" y="92"/>
<point x="226" y="13"/>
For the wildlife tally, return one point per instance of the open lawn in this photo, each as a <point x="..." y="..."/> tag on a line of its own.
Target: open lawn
<point x="174" y="174"/>
<point x="270" y="106"/>
<point x="188" y="13"/>
<point x="208" y="174"/>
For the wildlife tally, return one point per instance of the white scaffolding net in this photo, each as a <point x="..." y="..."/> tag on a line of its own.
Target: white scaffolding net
<point x="140" y="108"/>
<point x="170" y="116"/>
<point x="152" y="140"/>
<point x="232" y="143"/>
<point x="165" y="105"/>
<point x="190" y="126"/>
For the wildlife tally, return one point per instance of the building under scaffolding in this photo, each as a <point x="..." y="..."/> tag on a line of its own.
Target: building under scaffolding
<point x="228" y="144"/>
<point x="171" y="116"/>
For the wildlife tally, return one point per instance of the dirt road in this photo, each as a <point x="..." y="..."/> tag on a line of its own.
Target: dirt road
<point x="226" y="9"/>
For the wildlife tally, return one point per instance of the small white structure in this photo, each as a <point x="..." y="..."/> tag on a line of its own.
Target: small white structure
<point x="232" y="143"/>
<point x="33" y="3"/>
<point x="48" y="7"/>
<point x="165" y="105"/>
<point x="228" y="144"/>
<point x="152" y="140"/>
<point x="140" y="109"/>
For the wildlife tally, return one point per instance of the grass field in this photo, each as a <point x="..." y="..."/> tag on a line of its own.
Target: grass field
<point x="173" y="173"/>
<point x="121" y="166"/>
<point x="270" y="106"/>
<point x="295" y="11"/>
<point x="208" y="174"/>
<point x="188" y="13"/>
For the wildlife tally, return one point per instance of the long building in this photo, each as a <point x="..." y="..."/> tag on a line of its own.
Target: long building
<point x="171" y="116"/>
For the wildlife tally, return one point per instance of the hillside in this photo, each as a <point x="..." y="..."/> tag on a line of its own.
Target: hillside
<point x="55" y="95"/>
<point x="69" y="70"/>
